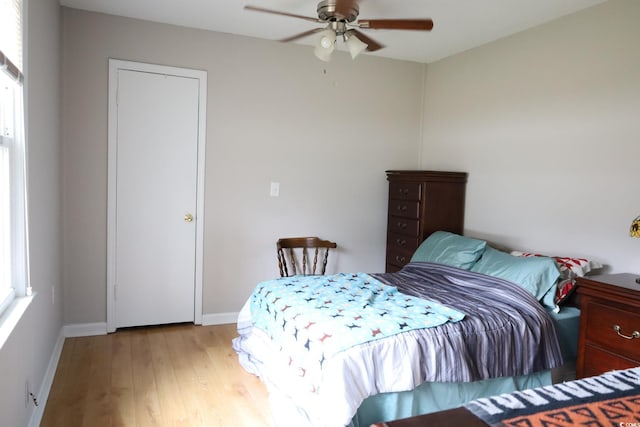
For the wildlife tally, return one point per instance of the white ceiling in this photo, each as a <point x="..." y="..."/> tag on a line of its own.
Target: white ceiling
<point x="459" y="25"/>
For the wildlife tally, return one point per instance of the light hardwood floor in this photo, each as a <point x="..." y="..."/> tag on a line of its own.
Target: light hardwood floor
<point x="177" y="375"/>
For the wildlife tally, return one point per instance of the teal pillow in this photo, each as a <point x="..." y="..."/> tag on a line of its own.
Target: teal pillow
<point x="451" y="249"/>
<point x="537" y="275"/>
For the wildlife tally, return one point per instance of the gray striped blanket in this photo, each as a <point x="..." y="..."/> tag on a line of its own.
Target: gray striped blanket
<point x="506" y="332"/>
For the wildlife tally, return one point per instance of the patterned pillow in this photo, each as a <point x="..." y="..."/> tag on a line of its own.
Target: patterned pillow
<point x="570" y="268"/>
<point x="564" y="291"/>
<point x="575" y="267"/>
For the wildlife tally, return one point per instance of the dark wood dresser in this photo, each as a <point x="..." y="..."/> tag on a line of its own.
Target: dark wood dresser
<point x="421" y="202"/>
<point x="609" y="323"/>
<point x="457" y="417"/>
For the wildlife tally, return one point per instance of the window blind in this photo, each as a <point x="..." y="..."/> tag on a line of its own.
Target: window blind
<point x="11" y="38"/>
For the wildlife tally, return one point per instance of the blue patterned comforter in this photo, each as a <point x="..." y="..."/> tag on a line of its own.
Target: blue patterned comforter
<point x="314" y="317"/>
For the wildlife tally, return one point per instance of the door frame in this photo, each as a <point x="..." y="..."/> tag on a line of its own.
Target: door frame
<point x="116" y="65"/>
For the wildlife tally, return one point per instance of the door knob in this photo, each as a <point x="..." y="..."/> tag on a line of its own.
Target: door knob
<point x="188" y="217"/>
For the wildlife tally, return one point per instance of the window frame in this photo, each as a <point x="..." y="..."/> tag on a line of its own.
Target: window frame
<point x="15" y="279"/>
<point x="17" y="296"/>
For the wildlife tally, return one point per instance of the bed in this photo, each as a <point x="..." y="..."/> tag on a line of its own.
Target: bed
<point x="461" y="321"/>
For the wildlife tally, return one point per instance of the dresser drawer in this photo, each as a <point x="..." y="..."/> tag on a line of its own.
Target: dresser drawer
<point x="400" y="243"/>
<point x="404" y="226"/>
<point x="405" y="190"/>
<point x="398" y="257"/>
<point x="598" y="361"/>
<point x="404" y="209"/>
<point x="601" y="328"/>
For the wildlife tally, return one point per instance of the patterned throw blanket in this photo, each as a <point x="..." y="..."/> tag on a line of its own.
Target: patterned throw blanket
<point x="314" y="317"/>
<point x="611" y="399"/>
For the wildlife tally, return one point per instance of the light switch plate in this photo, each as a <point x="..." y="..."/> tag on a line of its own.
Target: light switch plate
<point x="275" y="189"/>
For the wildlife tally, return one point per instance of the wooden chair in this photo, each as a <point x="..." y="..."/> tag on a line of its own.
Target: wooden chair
<point x="289" y="250"/>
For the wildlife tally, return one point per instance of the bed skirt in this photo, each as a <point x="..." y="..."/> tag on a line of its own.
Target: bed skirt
<point x="432" y="397"/>
<point x="426" y="398"/>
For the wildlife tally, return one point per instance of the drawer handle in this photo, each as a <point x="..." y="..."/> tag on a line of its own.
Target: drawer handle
<point x="402" y="208"/>
<point x="635" y="334"/>
<point x="402" y="225"/>
<point x="401" y="242"/>
<point x="400" y="258"/>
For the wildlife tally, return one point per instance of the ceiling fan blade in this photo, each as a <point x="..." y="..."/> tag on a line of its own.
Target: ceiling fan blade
<point x="301" y="35"/>
<point x="372" y="45"/>
<point x="396" y="24"/>
<point x="276" y="12"/>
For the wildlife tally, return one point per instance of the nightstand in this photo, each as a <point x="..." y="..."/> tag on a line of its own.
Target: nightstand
<point x="609" y="323"/>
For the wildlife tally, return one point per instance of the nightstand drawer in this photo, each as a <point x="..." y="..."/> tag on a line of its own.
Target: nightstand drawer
<point x="608" y="323"/>
<point x="598" y="361"/>
<point x="616" y="329"/>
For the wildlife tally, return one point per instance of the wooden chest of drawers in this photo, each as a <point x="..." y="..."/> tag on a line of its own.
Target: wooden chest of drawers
<point x="609" y="323"/>
<point x="456" y="417"/>
<point x="421" y="202"/>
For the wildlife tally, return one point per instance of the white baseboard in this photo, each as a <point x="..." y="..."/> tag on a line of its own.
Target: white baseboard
<point x="47" y="381"/>
<point x="85" y="329"/>
<point x="219" y="318"/>
<point x="100" y="328"/>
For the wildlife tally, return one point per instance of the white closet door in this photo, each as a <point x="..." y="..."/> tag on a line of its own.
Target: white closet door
<point x="156" y="187"/>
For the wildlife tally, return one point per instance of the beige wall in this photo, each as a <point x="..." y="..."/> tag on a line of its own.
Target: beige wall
<point x="546" y="122"/>
<point x="26" y="354"/>
<point x="326" y="132"/>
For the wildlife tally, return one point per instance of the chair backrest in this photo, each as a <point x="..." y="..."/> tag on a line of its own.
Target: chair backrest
<point x="293" y="255"/>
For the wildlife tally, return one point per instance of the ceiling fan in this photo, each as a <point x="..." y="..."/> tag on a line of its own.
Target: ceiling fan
<point x="340" y="19"/>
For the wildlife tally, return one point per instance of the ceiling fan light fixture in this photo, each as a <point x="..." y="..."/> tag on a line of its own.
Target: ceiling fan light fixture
<point x="339" y="15"/>
<point x="325" y="44"/>
<point x="354" y="44"/>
